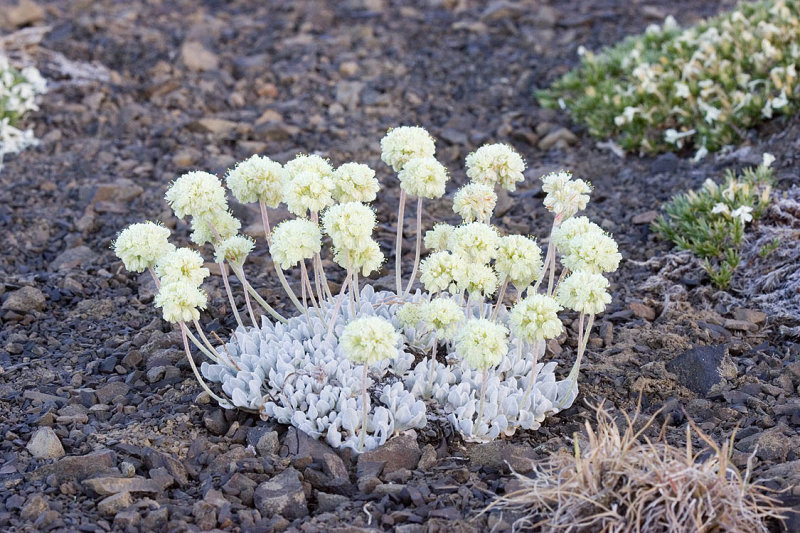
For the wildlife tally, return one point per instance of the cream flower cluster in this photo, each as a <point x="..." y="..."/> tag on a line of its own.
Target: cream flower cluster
<point x="519" y="258"/>
<point x="475" y="201"/>
<point x="436" y="271"/>
<point x="424" y="177"/>
<point x="476" y="242"/>
<point x="196" y="194"/>
<point x="257" y="179"/>
<point x="308" y="191"/>
<point x="294" y="241"/>
<point x="565" y="196"/>
<point x="482" y="343"/>
<point x="443" y="315"/>
<point x="233" y="249"/>
<point x="437" y="238"/>
<point x="535" y="318"/>
<point x="140" y="245"/>
<point x="496" y="164"/>
<point x="354" y="182"/>
<point x="182" y="264"/>
<point x="181" y="301"/>
<point x="350" y="227"/>
<point x="402" y="144"/>
<point x="474" y="278"/>
<point x="702" y="86"/>
<point x="369" y="340"/>
<point x="585" y="292"/>
<point x="19" y="90"/>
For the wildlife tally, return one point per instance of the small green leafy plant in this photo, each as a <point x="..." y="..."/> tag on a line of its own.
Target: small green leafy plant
<point x="710" y="222"/>
<point x="701" y="86"/>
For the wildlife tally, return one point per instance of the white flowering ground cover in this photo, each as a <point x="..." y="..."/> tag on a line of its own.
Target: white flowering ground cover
<point x="18" y="92"/>
<point x="699" y="87"/>
<point x="489" y="301"/>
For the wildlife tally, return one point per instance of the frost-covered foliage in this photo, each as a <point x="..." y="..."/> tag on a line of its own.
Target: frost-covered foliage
<point x="700" y="87"/>
<point x="18" y="92"/>
<point x="357" y="367"/>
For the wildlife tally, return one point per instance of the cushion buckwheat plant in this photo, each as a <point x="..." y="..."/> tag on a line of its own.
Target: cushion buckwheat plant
<point x="345" y="366"/>
<point x="700" y="87"/>
<point x="18" y="92"/>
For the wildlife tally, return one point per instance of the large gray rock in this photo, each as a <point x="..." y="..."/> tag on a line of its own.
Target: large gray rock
<point x="399" y="452"/>
<point x="703" y="368"/>
<point x="282" y="495"/>
<point x="44" y="444"/>
<point x="25" y="300"/>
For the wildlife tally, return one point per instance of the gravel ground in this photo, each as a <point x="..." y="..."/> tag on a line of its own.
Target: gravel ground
<point x="102" y="430"/>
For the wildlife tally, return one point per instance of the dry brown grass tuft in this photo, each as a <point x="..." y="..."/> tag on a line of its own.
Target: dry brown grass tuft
<point x="622" y="481"/>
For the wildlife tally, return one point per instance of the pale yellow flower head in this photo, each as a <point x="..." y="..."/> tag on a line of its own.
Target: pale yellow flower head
<point x="308" y="191"/>
<point x="494" y="164"/>
<point x="367" y="257"/>
<point x="257" y="179"/>
<point x="482" y="343"/>
<point x="355" y="182"/>
<point x="233" y="249"/>
<point x="399" y="145"/>
<point x="424" y="177"/>
<point x="180" y="301"/>
<point x="410" y="314"/>
<point x="294" y="241"/>
<point x="196" y="194"/>
<point x="519" y="258"/>
<point x="475" y="241"/>
<point x="314" y="164"/>
<point x="214" y="227"/>
<point x="475" y="201"/>
<point x="436" y="239"/>
<point x="436" y="271"/>
<point x="565" y="196"/>
<point x="182" y="264"/>
<point x="141" y="245"/>
<point x="475" y="278"/>
<point x="369" y="340"/>
<point x="535" y="318"/>
<point x="349" y="224"/>
<point x="585" y="292"/>
<point x="564" y="235"/>
<point x="443" y="316"/>
<point x="595" y="252"/>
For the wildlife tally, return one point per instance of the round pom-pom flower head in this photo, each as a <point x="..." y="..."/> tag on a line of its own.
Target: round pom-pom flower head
<point x="180" y="301"/>
<point x="566" y="234"/>
<point x="482" y="343"/>
<point x="140" y="246"/>
<point x="234" y="249"/>
<point x="519" y="258"/>
<point x="257" y="179"/>
<point x="437" y="238"/>
<point x="565" y="196"/>
<point x="399" y="145"/>
<point x="424" y="177"/>
<point x="584" y="292"/>
<point x="535" y="318"/>
<point x="196" y="194"/>
<point x="308" y="191"/>
<point x="349" y="224"/>
<point x="475" y="241"/>
<point x="366" y="255"/>
<point x="595" y="252"/>
<point x="436" y="271"/>
<point x="308" y="163"/>
<point x="182" y="264"/>
<point x="443" y="316"/>
<point x="495" y="163"/>
<point x="369" y="340"/>
<point x="214" y="227"/>
<point x="354" y="182"/>
<point x="475" y="201"/>
<point x="295" y="240"/>
<point x="475" y="278"/>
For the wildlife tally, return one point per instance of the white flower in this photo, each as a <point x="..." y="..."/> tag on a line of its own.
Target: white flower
<point x="682" y="90"/>
<point x="354" y="182"/>
<point x="140" y="246"/>
<point x="424" y="177"/>
<point x="196" y="194"/>
<point x="743" y="213"/>
<point x="436" y="272"/>
<point x="495" y="163"/>
<point x="767" y="159"/>
<point x="349" y="224"/>
<point x="700" y="154"/>
<point x="535" y="318"/>
<point x="475" y="241"/>
<point x="257" y="179"/>
<point x="308" y="163"/>
<point x="436" y="239"/>
<point x="180" y="301"/>
<point x="214" y="227"/>
<point x="235" y="249"/>
<point x="584" y="292"/>
<point x="366" y="256"/>
<point x="295" y="240"/>
<point x="182" y="264"/>
<point x="475" y="201"/>
<point x="410" y="314"/>
<point x="519" y="258"/>
<point x="475" y="278"/>
<point x="565" y="196"/>
<point x="721" y="208"/>
<point x="308" y="191"/>
<point x="672" y="136"/>
<point x="443" y="315"/>
<point x="482" y="343"/>
<point x="564" y="235"/>
<point x="594" y="252"/>
<point x="369" y="340"/>
<point x="399" y="145"/>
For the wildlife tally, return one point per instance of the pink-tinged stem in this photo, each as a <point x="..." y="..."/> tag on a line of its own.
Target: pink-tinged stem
<point x="194" y="368"/>
<point x="500" y="296"/>
<point x="418" y="248"/>
<point x="224" y="273"/>
<point x="398" y="245"/>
